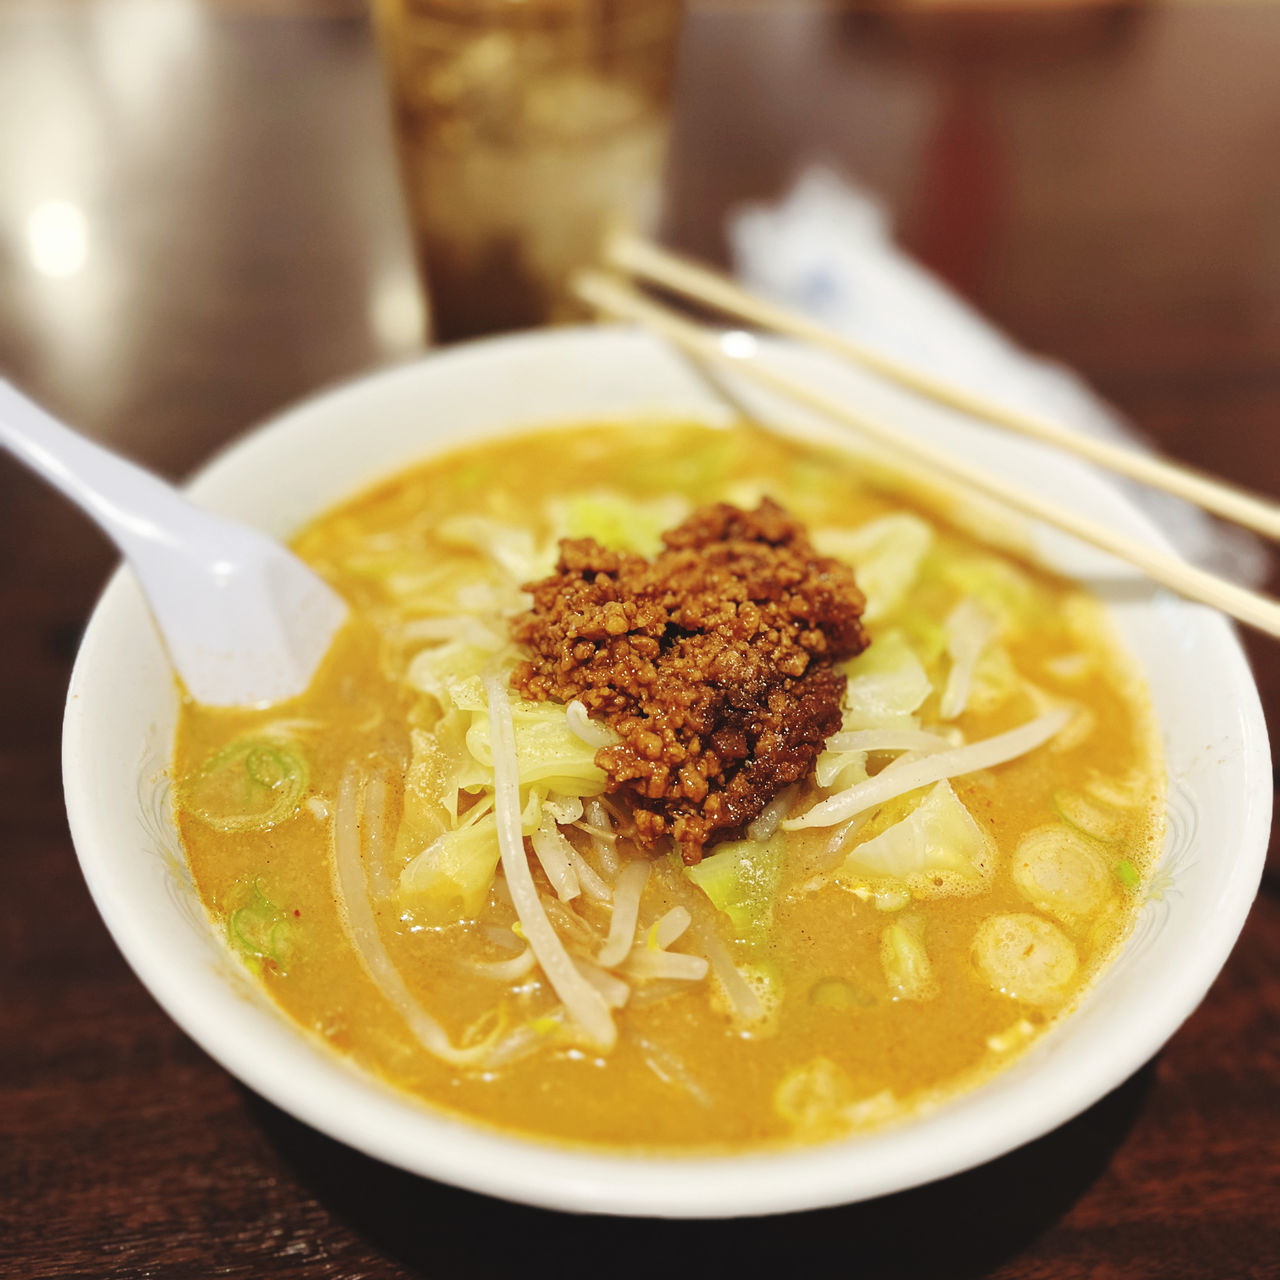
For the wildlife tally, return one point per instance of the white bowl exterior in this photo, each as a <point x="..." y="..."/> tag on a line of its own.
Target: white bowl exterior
<point x="120" y="720"/>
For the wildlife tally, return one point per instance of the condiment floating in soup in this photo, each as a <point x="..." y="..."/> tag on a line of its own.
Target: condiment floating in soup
<point x="678" y="788"/>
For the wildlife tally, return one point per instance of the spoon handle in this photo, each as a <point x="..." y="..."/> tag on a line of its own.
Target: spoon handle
<point x="126" y="501"/>
<point x="244" y="620"/>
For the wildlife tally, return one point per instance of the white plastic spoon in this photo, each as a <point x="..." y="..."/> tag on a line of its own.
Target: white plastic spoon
<point x="244" y="620"/>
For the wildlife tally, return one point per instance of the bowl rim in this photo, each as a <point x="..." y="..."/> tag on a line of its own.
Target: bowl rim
<point x="368" y="1115"/>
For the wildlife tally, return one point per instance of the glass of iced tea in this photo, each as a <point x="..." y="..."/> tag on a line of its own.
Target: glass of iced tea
<point x="527" y="130"/>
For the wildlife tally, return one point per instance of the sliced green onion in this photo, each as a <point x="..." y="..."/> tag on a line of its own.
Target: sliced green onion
<point x="1094" y="818"/>
<point x="1127" y="874"/>
<point x="260" y="930"/>
<point x="250" y="785"/>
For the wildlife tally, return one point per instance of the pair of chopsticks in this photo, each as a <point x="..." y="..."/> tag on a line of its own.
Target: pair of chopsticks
<point x="615" y="294"/>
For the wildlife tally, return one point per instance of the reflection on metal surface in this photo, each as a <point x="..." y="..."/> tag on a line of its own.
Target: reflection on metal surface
<point x="58" y="238"/>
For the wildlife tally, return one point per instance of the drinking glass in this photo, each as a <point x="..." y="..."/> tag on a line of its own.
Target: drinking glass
<point x="526" y="131"/>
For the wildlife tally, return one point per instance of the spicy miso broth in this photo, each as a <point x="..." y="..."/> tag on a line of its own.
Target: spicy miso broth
<point x="434" y="865"/>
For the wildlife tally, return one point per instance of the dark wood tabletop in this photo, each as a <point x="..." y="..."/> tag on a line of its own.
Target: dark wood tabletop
<point x="1103" y="182"/>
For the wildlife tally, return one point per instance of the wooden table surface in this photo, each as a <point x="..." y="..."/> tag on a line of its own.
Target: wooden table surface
<point x="1105" y="185"/>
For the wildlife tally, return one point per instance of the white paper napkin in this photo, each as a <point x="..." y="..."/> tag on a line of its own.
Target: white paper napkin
<point x="827" y="249"/>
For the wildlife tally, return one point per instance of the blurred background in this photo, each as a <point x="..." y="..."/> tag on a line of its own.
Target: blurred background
<point x="201" y="220"/>
<point x="200" y="217"/>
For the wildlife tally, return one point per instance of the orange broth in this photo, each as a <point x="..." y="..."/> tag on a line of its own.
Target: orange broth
<point x="842" y="1039"/>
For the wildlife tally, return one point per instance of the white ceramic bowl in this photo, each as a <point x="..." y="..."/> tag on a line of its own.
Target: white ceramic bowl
<point x="119" y="727"/>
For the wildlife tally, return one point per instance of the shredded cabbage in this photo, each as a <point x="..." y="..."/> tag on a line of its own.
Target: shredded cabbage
<point x="548" y="752"/>
<point x="455" y="755"/>
<point x="450" y="868"/>
<point x="886" y="555"/>
<point x="918" y="740"/>
<point x="741" y="877"/>
<point x="938" y="841"/>
<point x="450" y="879"/>
<point x="440" y="768"/>
<point x="887" y="684"/>
<point x="510" y="547"/>
<point x="994" y="681"/>
<point x="1004" y="591"/>
<point x="415" y="580"/>
<point x="622" y="523"/>
<point x="450" y="673"/>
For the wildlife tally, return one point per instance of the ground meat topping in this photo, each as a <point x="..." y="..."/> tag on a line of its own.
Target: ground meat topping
<point x="712" y="663"/>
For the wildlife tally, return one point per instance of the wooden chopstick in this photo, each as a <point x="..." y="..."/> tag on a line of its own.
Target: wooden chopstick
<point x="646" y="261"/>
<point x="620" y="299"/>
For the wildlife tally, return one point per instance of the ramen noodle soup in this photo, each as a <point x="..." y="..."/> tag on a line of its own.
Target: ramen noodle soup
<point x="679" y="788"/>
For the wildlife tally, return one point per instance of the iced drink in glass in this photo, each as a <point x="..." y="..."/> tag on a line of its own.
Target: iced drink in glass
<point x="526" y="129"/>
